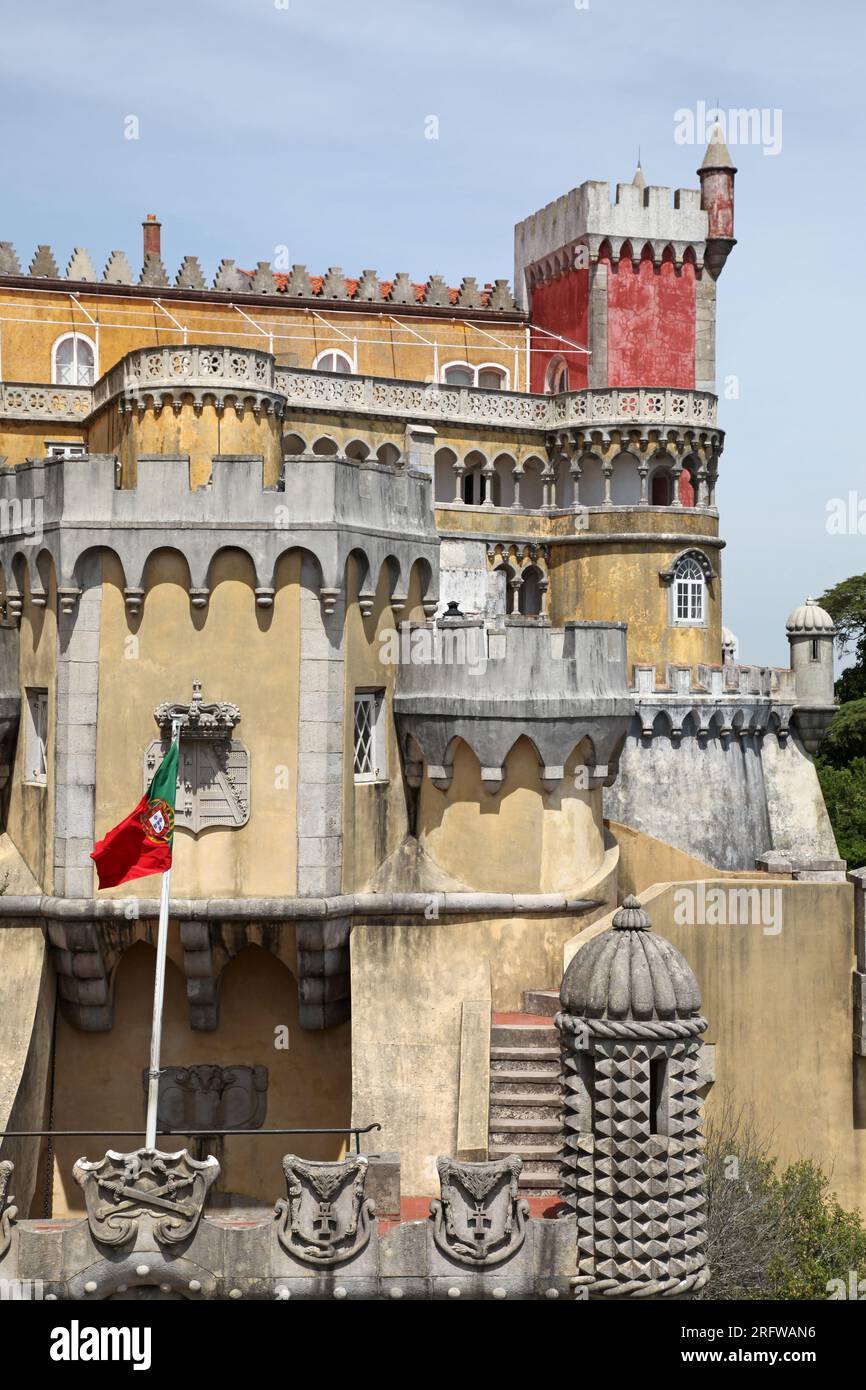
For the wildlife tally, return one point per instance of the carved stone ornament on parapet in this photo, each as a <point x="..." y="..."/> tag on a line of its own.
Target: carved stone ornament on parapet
<point x="8" y="1211"/>
<point x="207" y="1096"/>
<point x="214" y="774"/>
<point x="165" y="1190"/>
<point x="480" y="1220"/>
<point x="325" y="1218"/>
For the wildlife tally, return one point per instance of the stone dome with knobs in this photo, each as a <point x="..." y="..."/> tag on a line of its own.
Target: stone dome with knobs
<point x="630" y="973"/>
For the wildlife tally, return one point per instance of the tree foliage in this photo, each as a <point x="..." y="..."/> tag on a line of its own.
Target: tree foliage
<point x="770" y="1234"/>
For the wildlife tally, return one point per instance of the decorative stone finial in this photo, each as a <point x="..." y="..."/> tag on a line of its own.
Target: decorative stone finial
<point x="631" y="916"/>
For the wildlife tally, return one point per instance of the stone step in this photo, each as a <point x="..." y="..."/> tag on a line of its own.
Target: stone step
<point x="530" y="1127"/>
<point x="530" y="1153"/>
<point x="523" y="1035"/>
<point x="525" y="1075"/>
<point x="551" y="1099"/>
<point x="542" y="1183"/>
<point x="510" y="1053"/>
<point x="541" y="1001"/>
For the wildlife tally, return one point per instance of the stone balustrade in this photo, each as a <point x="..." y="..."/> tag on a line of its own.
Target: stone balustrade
<point x="224" y="371"/>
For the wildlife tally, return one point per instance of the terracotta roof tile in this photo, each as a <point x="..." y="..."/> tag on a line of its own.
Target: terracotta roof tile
<point x="281" y="280"/>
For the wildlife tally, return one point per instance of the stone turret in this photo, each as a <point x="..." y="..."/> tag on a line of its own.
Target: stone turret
<point x="633" y="1170"/>
<point x="717" y="201"/>
<point x="811" y="632"/>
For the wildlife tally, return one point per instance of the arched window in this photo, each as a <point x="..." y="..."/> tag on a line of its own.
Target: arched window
<point x="458" y="374"/>
<point x="73" y="361"/>
<point x="529" y="601"/>
<point x="333" y="361"/>
<point x="689" y="591"/>
<point x="492" y="378"/>
<point x="489" y="375"/>
<point x="660" y="489"/>
<point x="556" y="377"/>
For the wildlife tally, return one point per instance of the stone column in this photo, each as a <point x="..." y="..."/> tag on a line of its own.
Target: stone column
<point x="75" y="736"/>
<point x="320" y="740"/>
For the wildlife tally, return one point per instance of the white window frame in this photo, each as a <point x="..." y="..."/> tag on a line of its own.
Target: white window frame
<point x="36" y="736"/>
<point x="372" y="757"/>
<point x="65" y="448"/>
<point x="75" y="339"/>
<point x="688" y="593"/>
<point x="337" y="353"/>
<point x="475" y="372"/>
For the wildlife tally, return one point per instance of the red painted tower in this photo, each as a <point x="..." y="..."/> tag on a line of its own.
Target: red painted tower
<point x="623" y="294"/>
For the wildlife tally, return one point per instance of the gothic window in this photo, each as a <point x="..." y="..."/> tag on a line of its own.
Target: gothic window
<point x="660" y="489"/>
<point x="556" y="378"/>
<point x="689" y="589"/>
<point x="333" y="362"/>
<point x="73" y="361"/>
<point x="369" y="763"/>
<point x="529" y="602"/>
<point x="36" y="738"/>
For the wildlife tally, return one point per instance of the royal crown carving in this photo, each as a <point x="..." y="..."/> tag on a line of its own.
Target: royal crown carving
<point x="164" y="1191"/>
<point x="479" y="1220"/>
<point x="325" y="1218"/>
<point x="216" y="719"/>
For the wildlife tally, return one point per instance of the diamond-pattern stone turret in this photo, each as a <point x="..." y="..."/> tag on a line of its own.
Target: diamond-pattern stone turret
<point x="633" y="1170"/>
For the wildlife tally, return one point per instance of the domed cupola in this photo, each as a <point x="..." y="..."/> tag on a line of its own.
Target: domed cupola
<point x="810" y="620"/>
<point x="629" y="972"/>
<point x="811" y="633"/>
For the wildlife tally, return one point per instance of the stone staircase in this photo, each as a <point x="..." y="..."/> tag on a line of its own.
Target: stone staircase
<point x="525" y="1115"/>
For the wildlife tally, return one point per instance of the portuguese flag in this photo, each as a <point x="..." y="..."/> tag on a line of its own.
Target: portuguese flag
<point x="141" y="844"/>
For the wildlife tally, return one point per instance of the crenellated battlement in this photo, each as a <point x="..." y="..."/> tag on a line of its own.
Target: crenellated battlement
<point x="230" y="281"/>
<point x="331" y="507"/>
<point x="587" y="217"/>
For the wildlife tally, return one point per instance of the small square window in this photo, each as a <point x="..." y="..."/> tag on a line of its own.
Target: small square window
<point x="36" y="738"/>
<point x="369" y="734"/>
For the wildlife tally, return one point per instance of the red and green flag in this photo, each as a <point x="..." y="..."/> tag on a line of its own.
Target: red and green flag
<point x="141" y="844"/>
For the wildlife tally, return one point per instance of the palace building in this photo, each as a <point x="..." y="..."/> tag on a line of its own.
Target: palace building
<point x="432" y="578"/>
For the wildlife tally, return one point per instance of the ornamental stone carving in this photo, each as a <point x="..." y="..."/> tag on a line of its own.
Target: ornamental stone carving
<point x="8" y="1211"/>
<point x="214" y="772"/>
<point x="325" y="1218"/>
<point x="206" y="1096"/>
<point x="479" y="1219"/>
<point x="164" y="1193"/>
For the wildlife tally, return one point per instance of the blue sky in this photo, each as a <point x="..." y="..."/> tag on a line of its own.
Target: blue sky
<point x="261" y="125"/>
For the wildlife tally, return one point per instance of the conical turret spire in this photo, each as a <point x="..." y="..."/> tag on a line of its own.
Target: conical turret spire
<point x="717" y="155"/>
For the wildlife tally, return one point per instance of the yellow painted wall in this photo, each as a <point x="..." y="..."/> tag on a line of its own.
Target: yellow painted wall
<point x="375" y="814"/>
<point x="127" y="323"/>
<point x="779" y="1010"/>
<point x="621" y="583"/>
<point x="240" y="653"/>
<point x="518" y="840"/>
<point x="184" y="432"/>
<point x="30" y="821"/>
<point x="99" y="1075"/>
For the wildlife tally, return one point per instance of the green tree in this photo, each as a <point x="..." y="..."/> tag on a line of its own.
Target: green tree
<point x="846" y="604"/>
<point x="844" y="790"/>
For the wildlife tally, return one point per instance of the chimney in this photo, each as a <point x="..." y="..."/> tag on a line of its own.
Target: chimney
<point x="151" y="229"/>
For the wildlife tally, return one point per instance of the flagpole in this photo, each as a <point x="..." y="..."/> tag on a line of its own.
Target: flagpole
<point x="159" y="992"/>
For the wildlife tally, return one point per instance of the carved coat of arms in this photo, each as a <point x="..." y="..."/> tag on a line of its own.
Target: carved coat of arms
<point x="325" y="1218"/>
<point x="8" y="1211"/>
<point x="480" y="1219"/>
<point x="167" y="1189"/>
